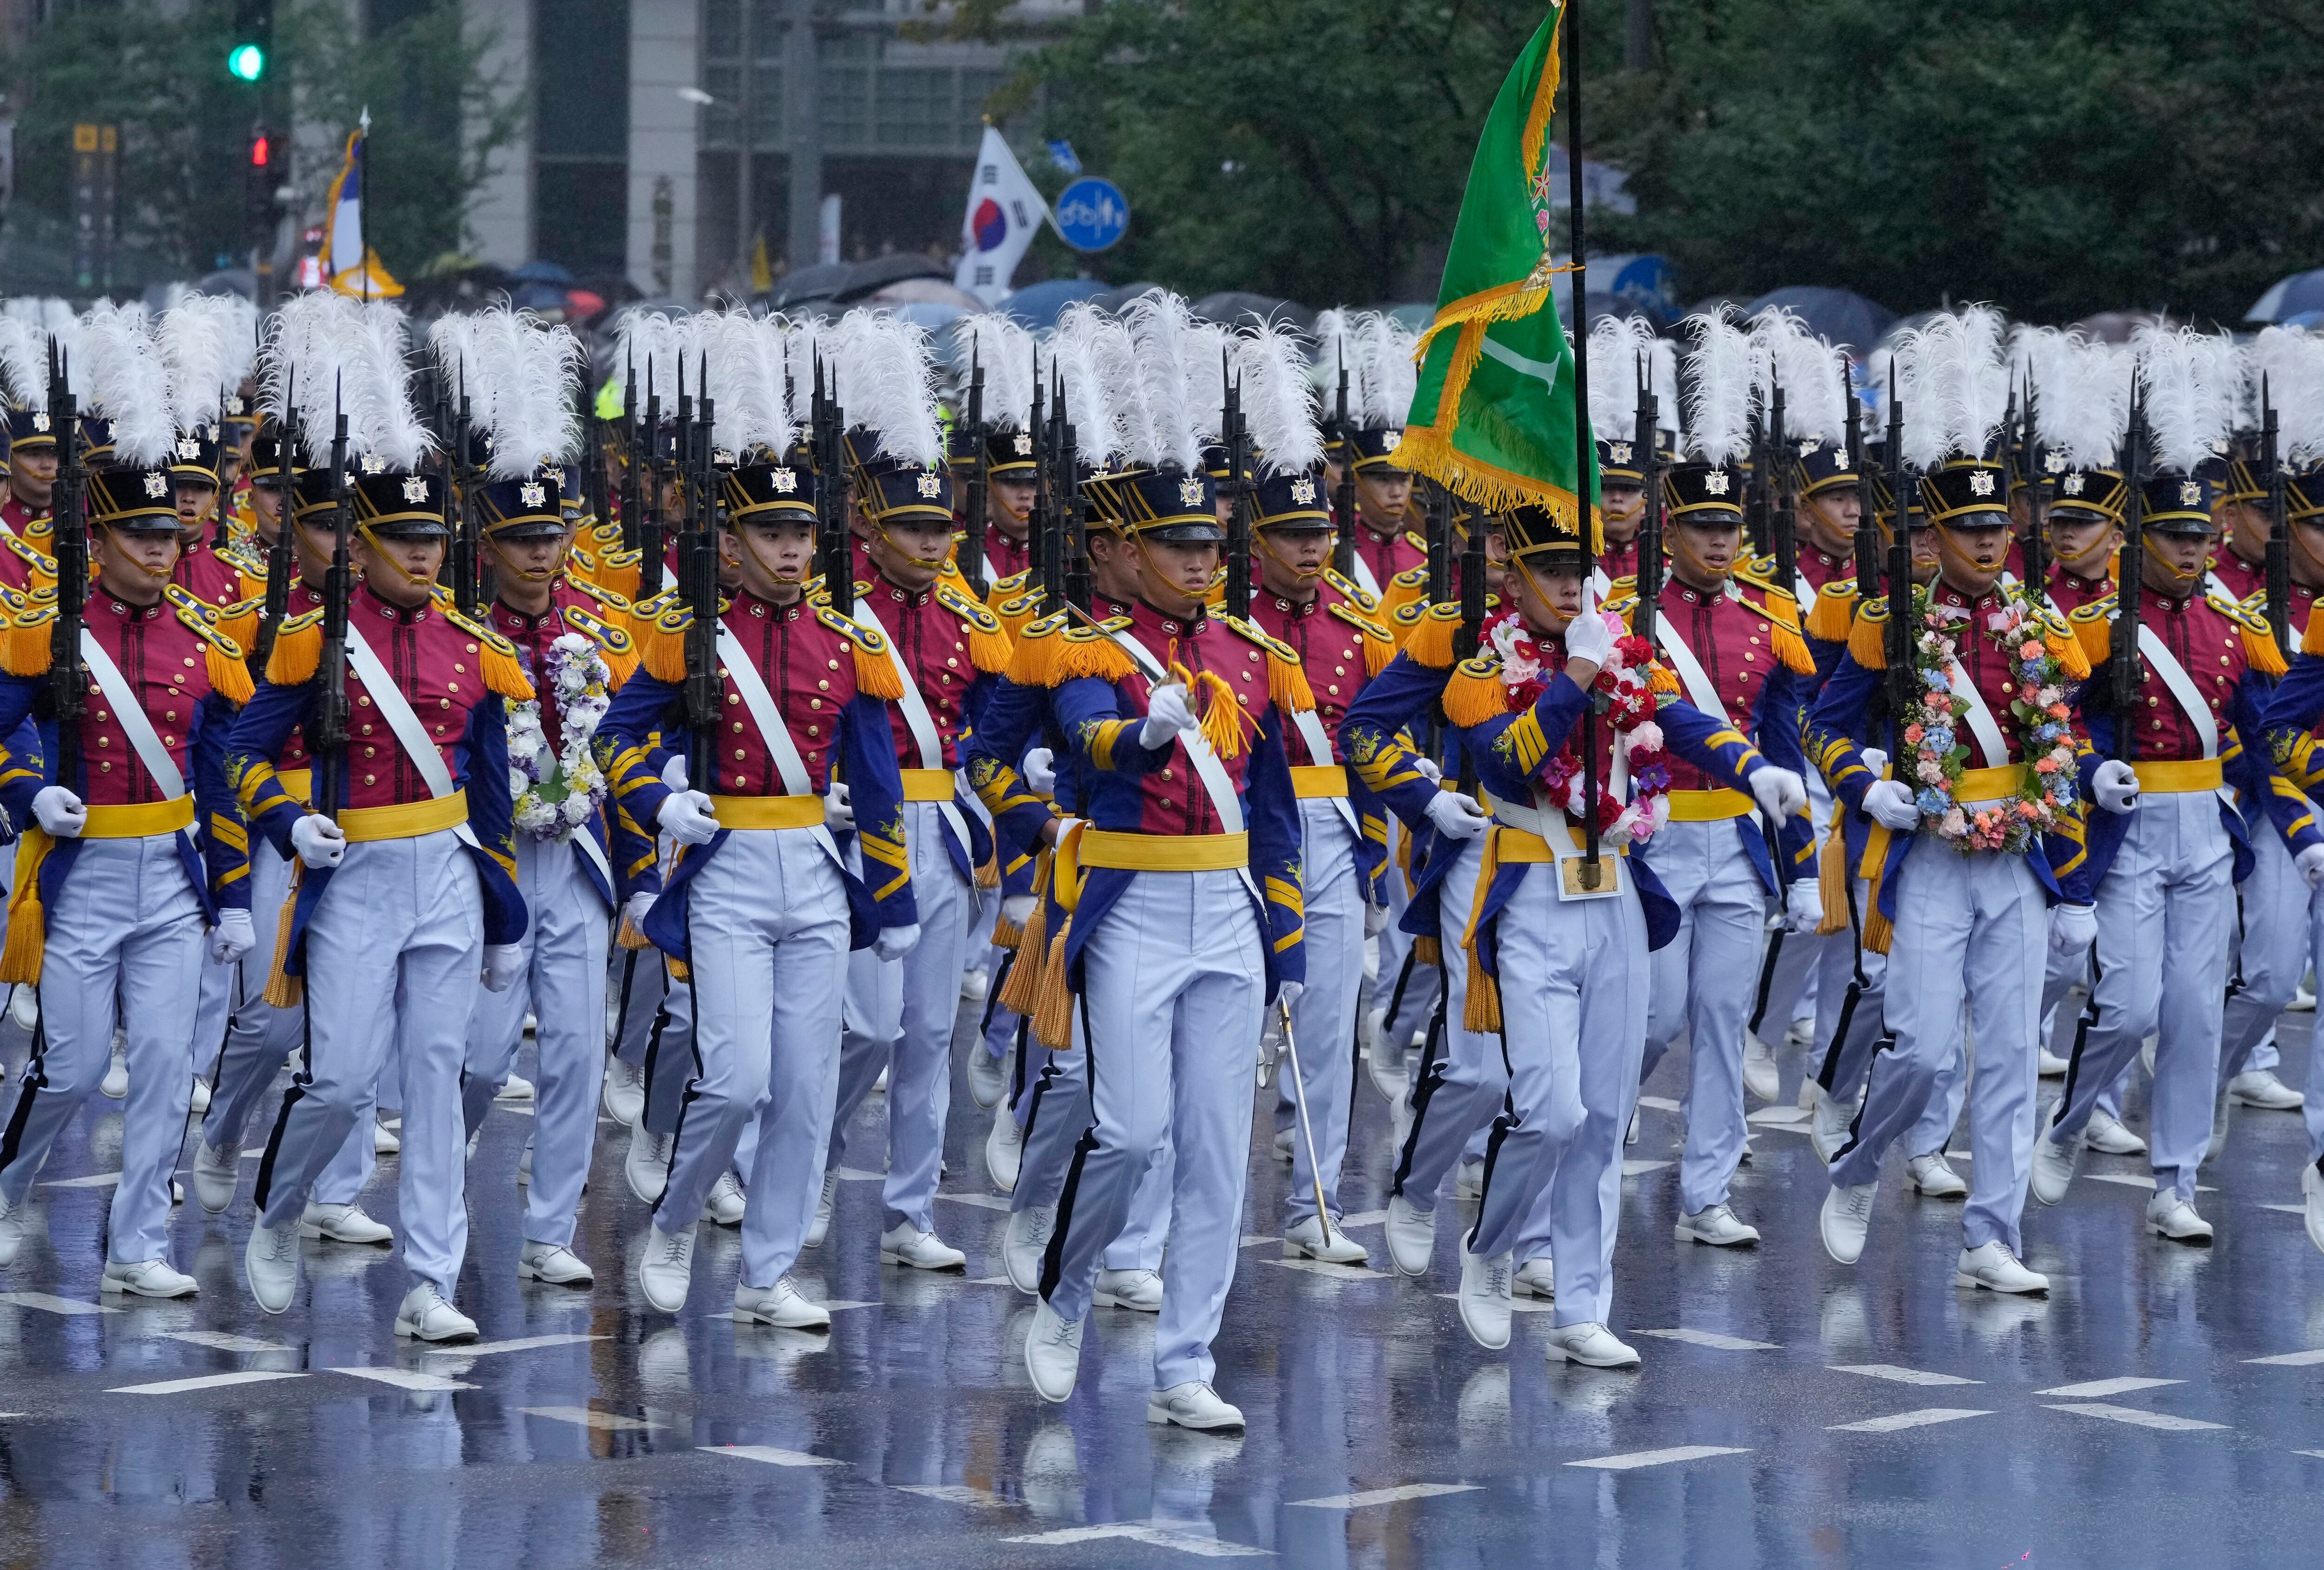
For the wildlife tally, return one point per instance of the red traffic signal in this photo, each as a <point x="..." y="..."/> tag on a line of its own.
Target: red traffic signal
<point x="258" y="152"/>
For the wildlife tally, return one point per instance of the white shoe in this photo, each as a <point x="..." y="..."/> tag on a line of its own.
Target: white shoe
<point x="820" y="1227"/>
<point x="1485" y="1297"/>
<point x="12" y="1232"/>
<point x="2222" y="1104"/>
<point x="1004" y="1149"/>
<point x="524" y="1165"/>
<point x="1383" y="1061"/>
<point x="2176" y="1219"/>
<point x="24" y="1007"/>
<point x="2303" y="1001"/>
<point x="906" y="1245"/>
<point x="518" y="1088"/>
<point x="1192" y="1405"/>
<point x="1845" y="1220"/>
<point x="625" y="1091"/>
<point x="988" y="1077"/>
<point x="1023" y="1242"/>
<point x="2053" y="1066"/>
<point x="1536" y="1278"/>
<point x="115" y="1082"/>
<point x="1716" y="1224"/>
<point x="344" y="1224"/>
<point x="1591" y="1345"/>
<point x="198" y="1101"/>
<point x="553" y="1263"/>
<point x="975" y="985"/>
<point x="2311" y="1194"/>
<point x="424" y="1316"/>
<point x="1801" y="1032"/>
<point x="148" y="1279"/>
<point x="384" y="1140"/>
<point x="1993" y="1267"/>
<point x="782" y="1306"/>
<point x="1761" y="1076"/>
<point x="1830" y="1126"/>
<point x="2104" y="1134"/>
<point x="1308" y="1238"/>
<point x="1932" y="1175"/>
<point x="1809" y="1093"/>
<point x="725" y="1205"/>
<point x="1630" y="1134"/>
<point x="647" y="1166"/>
<point x="879" y="1085"/>
<point x="2261" y="1088"/>
<point x="271" y="1262"/>
<point x="1468" y="1180"/>
<point x="1411" y="1237"/>
<point x="1139" y="1290"/>
<point x="1285" y="1141"/>
<point x="216" y="1175"/>
<point x="2053" y="1167"/>
<point x="666" y="1270"/>
<point x="1053" y="1353"/>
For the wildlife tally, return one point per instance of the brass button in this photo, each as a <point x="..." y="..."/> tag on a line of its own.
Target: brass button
<point x="105" y="741"/>
<point x="1748" y="655"/>
<point x="813" y="732"/>
<point x="832" y="663"/>
<point x="102" y="714"/>
<point x="443" y="703"/>
<point x="1246" y="676"/>
<point x="1333" y="690"/>
<point x="105" y="768"/>
<point x="363" y="698"/>
<point x="820" y="687"/>
<point x="451" y="687"/>
<point x="170" y="741"/>
<point x="1166" y="772"/>
<point x="738" y="724"/>
<point x="951" y="661"/>
<point x="1339" y="671"/>
<point x="472" y="648"/>
<point x="460" y="668"/>
<point x="811" y="702"/>
<point x="371" y="752"/>
<point x="169" y="714"/>
<point x="367" y="780"/>
<point x="739" y="752"/>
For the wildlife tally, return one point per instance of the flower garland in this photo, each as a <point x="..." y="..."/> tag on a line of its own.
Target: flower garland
<point x="556" y="795"/>
<point x="1939" y="754"/>
<point x="1624" y="681"/>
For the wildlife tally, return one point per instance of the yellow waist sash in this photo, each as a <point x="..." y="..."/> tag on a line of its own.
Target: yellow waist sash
<point x="406" y="820"/>
<point x="141" y="819"/>
<point x="769" y="811"/>
<point x="1311" y="781"/>
<point x="928" y="784"/>
<point x="2170" y="778"/>
<point x="1707" y="806"/>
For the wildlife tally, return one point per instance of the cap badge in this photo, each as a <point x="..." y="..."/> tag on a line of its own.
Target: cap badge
<point x="2074" y="483"/>
<point x="1808" y="446"/>
<point x="2054" y="462"/>
<point x="2190" y="494"/>
<point x="157" y="484"/>
<point x="533" y="493"/>
<point x="722" y="457"/>
<point x="1391" y="441"/>
<point x="1190" y="493"/>
<point x="1714" y="484"/>
<point x="1303" y="491"/>
<point x="39" y="422"/>
<point x="1022" y="444"/>
<point x="786" y="481"/>
<point x="189" y="448"/>
<point x="234" y="404"/>
<point x="372" y="464"/>
<point x="1980" y="483"/>
<point x="1618" y="452"/>
<point x="930" y="485"/>
<point x="415" y="489"/>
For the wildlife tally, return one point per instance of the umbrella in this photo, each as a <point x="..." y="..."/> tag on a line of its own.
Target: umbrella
<point x="924" y="291"/>
<point x="1840" y="314"/>
<point x="541" y="273"/>
<point x="1235" y="307"/>
<point x="1038" y="305"/>
<point x="2288" y="297"/>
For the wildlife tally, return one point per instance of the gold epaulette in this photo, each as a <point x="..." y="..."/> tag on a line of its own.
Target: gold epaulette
<point x="1782" y="618"/>
<point x="27" y="650"/>
<point x="1287" y="681"/>
<point x="621" y="650"/>
<point x="221" y="654"/>
<point x="298" y="649"/>
<point x="2093" y="629"/>
<point x="1090" y="650"/>
<point x="1033" y="654"/>
<point x="1835" y="608"/>
<point x="1868" y="638"/>
<point x="1430" y="638"/>
<point x="987" y="641"/>
<point x="1757" y="569"/>
<point x="1475" y="693"/>
<point x="496" y="657"/>
<point x="876" y="675"/>
<point x="1018" y="612"/>
<point x="1379" y="643"/>
<point x="1362" y="598"/>
<point x="43" y="566"/>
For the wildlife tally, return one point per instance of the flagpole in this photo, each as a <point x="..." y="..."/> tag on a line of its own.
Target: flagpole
<point x="1582" y="453"/>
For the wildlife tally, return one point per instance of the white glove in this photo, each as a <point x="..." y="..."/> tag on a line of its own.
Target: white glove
<point x="1287" y="993"/>
<point x="1780" y="794"/>
<point x="1874" y="759"/>
<point x="231" y="938"/>
<point x="1018" y="908"/>
<point x="1587" y="636"/>
<point x="2310" y="862"/>
<point x="2072" y="927"/>
<point x="634" y="913"/>
<point x="686" y="816"/>
<point x="1041" y="770"/>
<point x="1889" y="804"/>
<point x="838" y="809"/>
<point x="1426" y="768"/>
<point x="1167" y="714"/>
<point x="2116" y="785"/>
<point x="673" y="773"/>
<point x="1803" y="906"/>
<point x="1376" y="916"/>
<point x="319" y="842"/>
<point x="504" y="962"/>
<point x="1457" y="816"/>
<point x="59" y="811"/>
<point x="895" y="942"/>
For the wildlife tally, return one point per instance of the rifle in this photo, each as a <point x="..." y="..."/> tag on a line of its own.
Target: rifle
<point x="980" y="477"/>
<point x="651" y="534"/>
<point x="634" y="468"/>
<point x="1344" y="496"/>
<point x="1237" y="489"/>
<point x="1044" y="552"/>
<point x="1782" y="517"/>
<point x="2124" y="672"/>
<point x="1469" y="636"/>
<point x="1650" y="519"/>
<point x="1902" y="679"/>
<point x="327" y="737"/>
<point x="592" y="457"/>
<point x="1758" y="530"/>
<point x="1867" y="523"/>
<point x="1585" y="454"/>
<point x="1071" y="525"/>
<point x="1435" y="526"/>
<point x="459" y="488"/>
<point x="2278" y="539"/>
<point x="282" y="556"/>
<point x="67" y="680"/>
<point x="830" y="428"/>
<point x="698" y="582"/>
<point x="2037" y="505"/>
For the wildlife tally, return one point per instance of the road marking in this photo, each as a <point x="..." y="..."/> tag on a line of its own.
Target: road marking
<point x="205" y="1382"/>
<point x="769" y="1454"/>
<point x="959" y="1493"/>
<point x="1896" y="1421"/>
<point x="2288" y="1210"/>
<point x="1363" y="1218"/>
<point x="856" y="1175"/>
<point x="523" y="1344"/>
<point x="1659" y="1103"/>
<point x="49" y="1303"/>
<point x="1255" y="1239"/>
<point x="1639" y="1168"/>
<point x="94" y="1180"/>
<point x="982" y="1201"/>
<point x="2136" y="1180"/>
<point x="612" y="1422"/>
<point x="2317" y="1454"/>
<point x="1518" y="1304"/>
<point x="224" y="1340"/>
<point x="1153" y="1536"/>
<point x="990" y="1282"/>
<point x="2093" y="1389"/>
<point x="2132" y="1416"/>
<point x="402" y="1378"/>
<point x="1902" y="1376"/>
<point x="1711" y="1338"/>
<point x="2290" y="1359"/>
<point x="1331" y="1273"/>
<point x="1780" y="1117"/>
<point x="1380" y="1496"/>
<point x="1637" y="1458"/>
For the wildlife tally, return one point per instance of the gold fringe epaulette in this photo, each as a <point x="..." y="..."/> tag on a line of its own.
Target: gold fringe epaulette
<point x="2260" y="650"/>
<point x="1287" y="680"/>
<point x="1835" y="609"/>
<point x="1033" y="656"/>
<point x="1354" y="593"/>
<point x="1782" y="610"/>
<point x="1867" y="635"/>
<point x="1475" y="693"/>
<point x="496" y="657"/>
<point x="26" y="650"/>
<point x="615" y="645"/>
<point x="2065" y="647"/>
<point x="1430" y="641"/>
<point x="1091" y="652"/>
<point x="222" y="656"/>
<point x="298" y="650"/>
<point x="2093" y="629"/>
<point x="1379" y="645"/>
<point x="239" y="621"/>
<point x="987" y="641"/>
<point x="1407" y="592"/>
<point x="662" y="643"/>
<point x="876" y="675"/>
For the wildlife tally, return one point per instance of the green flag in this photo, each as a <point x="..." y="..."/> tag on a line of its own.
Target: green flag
<point x="1493" y="415"/>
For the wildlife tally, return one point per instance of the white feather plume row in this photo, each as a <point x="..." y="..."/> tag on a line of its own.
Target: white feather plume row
<point x="647" y="344"/>
<point x="1209" y="348"/>
<point x="1719" y="399"/>
<point x="1277" y="399"/>
<point x="809" y="341"/>
<point x="1115" y="359"/>
<point x="1808" y="370"/>
<point x="2191" y="384"/>
<point x="1005" y="352"/>
<point x="890" y="382"/>
<point x="2080" y="393"/>
<point x="207" y="342"/>
<point x="26" y="326"/>
<point x="1078" y="352"/>
<point x="521" y="376"/>
<point x="2291" y="360"/>
<point x="326" y="355"/>
<point x="1161" y="333"/>
<point x="1388" y="375"/>
<point x="744" y="358"/>
<point x="128" y="383"/>
<point x="1618" y="346"/>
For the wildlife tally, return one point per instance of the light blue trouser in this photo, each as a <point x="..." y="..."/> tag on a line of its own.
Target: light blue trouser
<point x="2165" y="913"/>
<point x="394" y="949"/>
<point x="1971" y="932"/>
<point x="2272" y="955"/>
<point x="568" y="929"/>
<point x="128" y="925"/>
<point x="1174" y="980"/>
<point x="1418" y="1004"/>
<point x="1460" y="1088"/>
<point x="1323" y="1020"/>
<point x="1053" y="1111"/>
<point x="768" y="927"/>
<point x="2061" y="1030"/>
<point x="1843" y="1060"/>
<point x="1574" y="975"/>
<point x="1791" y="970"/>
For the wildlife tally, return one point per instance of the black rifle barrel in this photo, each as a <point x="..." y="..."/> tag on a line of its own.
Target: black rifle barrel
<point x="1584" y="454"/>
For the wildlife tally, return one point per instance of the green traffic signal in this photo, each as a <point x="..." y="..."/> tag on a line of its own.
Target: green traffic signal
<point x="247" y="62"/>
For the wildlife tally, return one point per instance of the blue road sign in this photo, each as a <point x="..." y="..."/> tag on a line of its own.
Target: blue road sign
<point x="1092" y="213"/>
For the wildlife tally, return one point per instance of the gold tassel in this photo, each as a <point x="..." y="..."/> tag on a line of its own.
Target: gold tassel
<point x="1083" y="653"/>
<point x="1834" y="609"/>
<point x="1868" y="643"/>
<point x="20" y="958"/>
<point x="1474" y="695"/>
<point x="2093" y="635"/>
<point x="229" y="677"/>
<point x="1428" y="951"/>
<point x="1377" y="652"/>
<point x="988" y="872"/>
<point x="1784" y="633"/>
<point x="1878" y="932"/>
<point x="2075" y="665"/>
<point x="1661" y="678"/>
<point x="630" y="936"/>
<point x="2311" y="637"/>
<point x="989" y="649"/>
<point x="1431" y="641"/>
<point x="1831" y="878"/>
<point x="1023" y="992"/>
<point x="1286" y="684"/>
<point x="1033" y="658"/>
<point x="298" y="652"/>
<point x="619" y="571"/>
<point x="502" y="674"/>
<point x="2261" y="654"/>
<point x="662" y="652"/>
<point x="25" y="651"/>
<point x="1052" y="1012"/>
<point x="876" y="675"/>
<point x="1874" y="869"/>
<point x="283" y="989"/>
<point x="1006" y="934"/>
<point x="1483" y="1012"/>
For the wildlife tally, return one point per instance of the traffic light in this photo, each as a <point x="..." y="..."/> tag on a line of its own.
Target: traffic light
<point x="253" y="39"/>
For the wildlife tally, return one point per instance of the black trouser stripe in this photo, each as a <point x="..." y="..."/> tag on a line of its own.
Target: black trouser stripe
<point x="1053" y="1258"/>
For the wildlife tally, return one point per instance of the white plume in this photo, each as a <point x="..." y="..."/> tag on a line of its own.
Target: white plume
<point x="382" y="422"/>
<point x="1388" y="375"/>
<point x="128" y="383"/>
<point x="1619" y="346"/>
<point x="2082" y="395"/>
<point x="1115" y="358"/>
<point x="1719" y="402"/>
<point x="1161" y="331"/>
<point x="2189" y="411"/>
<point x="1964" y="378"/>
<point x="1277" y="399"/>
<point x="521" y="378"/>
<point x="648" y="341"/>
<point x="1927" y="434"/>
<point x="26" y="326"/>
<point x="2292" y="361"/>
<point x="1005" y="352"/>
<point x="1807" y="368"/>
<point x="744" y="355"/>
<point x="891" y="385"/>
<point x="1209" y="347"/>
<point x="207" y="342"/>
<point x="1081" y="328"/>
